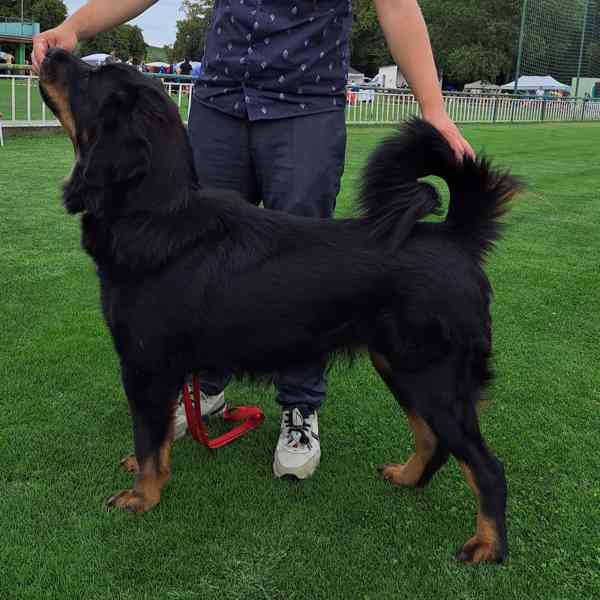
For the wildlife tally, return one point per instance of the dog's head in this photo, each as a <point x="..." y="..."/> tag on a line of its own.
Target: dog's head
<point x="130" y="144"/>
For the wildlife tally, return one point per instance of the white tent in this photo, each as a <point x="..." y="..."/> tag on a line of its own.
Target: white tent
<point x="531" y="83"/>
<point x="481" y="86"/>
<point x="96" y="59"/>
<point x="355" y="76"/>
<point x="194" y="64"/>
<point x="158" y="64"/>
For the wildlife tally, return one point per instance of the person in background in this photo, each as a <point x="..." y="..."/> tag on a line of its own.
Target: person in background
<point x="267" y="119"/>
<point x="185" y="67"/>
<point x="197" y="70"/>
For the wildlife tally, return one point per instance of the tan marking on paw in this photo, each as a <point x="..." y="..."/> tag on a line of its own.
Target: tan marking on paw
<point x="129" y="464"/>
<point x="132" y="501"/>
<point x="407" y="474"/>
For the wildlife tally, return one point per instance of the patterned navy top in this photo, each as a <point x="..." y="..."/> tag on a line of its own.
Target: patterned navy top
<point x="265" y="59"/>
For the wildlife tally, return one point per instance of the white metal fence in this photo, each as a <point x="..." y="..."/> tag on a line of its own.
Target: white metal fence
<point x="389" y="108"/>
<point x="21" y="105"/>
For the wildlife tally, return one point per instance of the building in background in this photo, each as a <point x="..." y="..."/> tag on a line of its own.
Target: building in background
<point x="355" y="77"/>
<point x="17" y="35"/>
<point x="481" y="87"/>
<point x="389" y="77"/>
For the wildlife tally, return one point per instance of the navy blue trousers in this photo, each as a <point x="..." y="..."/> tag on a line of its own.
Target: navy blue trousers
<point x="292" y="164"/>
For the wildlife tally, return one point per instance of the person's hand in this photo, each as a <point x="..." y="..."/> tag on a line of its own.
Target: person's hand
<point x="445" y="125"/>
<point x="62" y="36"/>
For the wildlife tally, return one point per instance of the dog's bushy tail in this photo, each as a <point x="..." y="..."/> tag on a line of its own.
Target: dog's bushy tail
<point x="393" y="199"/>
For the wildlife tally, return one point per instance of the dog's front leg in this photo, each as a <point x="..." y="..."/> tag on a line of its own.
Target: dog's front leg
<point x="151" y="399"/>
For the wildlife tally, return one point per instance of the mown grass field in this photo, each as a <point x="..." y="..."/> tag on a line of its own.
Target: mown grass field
<point x="225" y="527"/>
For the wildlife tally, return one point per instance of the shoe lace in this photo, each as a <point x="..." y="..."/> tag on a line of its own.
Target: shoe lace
<point x="296" y="433"/>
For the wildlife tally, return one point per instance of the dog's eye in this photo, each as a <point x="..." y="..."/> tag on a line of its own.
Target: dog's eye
<point x="92" y="134"/>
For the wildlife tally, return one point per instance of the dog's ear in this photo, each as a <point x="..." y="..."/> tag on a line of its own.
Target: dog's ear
<point x="120" y="151"/>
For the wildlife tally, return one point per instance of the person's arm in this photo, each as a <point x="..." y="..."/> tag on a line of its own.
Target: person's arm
<point x="408" y="41"/>
<point x="92" y="18"/>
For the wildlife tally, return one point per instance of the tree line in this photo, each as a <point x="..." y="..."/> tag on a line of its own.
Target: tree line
<point x="126" y="40"/>
<point x="48" y="13"/>
<point x="471" y="39"/>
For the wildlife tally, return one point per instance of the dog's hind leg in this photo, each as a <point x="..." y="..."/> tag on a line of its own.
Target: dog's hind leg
<point x="151" y="400"/>
<point x="430" y="455"/>
<point x="442" y="413"/>
<point x="484" y="474"/>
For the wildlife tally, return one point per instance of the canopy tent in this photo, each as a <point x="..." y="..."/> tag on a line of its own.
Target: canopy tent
<point x="531" y="83"/>
<point x="195" y="64"/>
<point x="96" y="59"/>
<point x="355" y="76"/>
<point x="481" y="86"/>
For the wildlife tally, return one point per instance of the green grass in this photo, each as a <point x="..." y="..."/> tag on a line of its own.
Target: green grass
<point x="225" y="528"/>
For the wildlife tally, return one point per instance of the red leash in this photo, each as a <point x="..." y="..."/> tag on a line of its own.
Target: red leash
<point x="250" y="416"/>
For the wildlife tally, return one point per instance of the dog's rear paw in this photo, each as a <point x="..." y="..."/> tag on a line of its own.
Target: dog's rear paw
<point x="399" y="475"/>
<point x="131" y="501"/>
<point x="477" y="551"/>
<point x="129" y="464"/>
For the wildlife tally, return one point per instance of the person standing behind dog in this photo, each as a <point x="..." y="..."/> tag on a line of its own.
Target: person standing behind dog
<point x="267" y="120"/>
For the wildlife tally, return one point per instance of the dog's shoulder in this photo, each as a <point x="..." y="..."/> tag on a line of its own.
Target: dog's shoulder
<point x="96" y="238"/>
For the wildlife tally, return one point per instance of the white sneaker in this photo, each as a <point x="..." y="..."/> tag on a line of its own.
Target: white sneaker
<point x="298" y="450"/>
<point x="209" y="406"/>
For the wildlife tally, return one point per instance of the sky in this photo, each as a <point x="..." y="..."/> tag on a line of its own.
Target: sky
<point x="157" y="23"/>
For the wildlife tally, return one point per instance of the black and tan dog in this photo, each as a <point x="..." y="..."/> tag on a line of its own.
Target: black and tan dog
<point x="195" y="278"/>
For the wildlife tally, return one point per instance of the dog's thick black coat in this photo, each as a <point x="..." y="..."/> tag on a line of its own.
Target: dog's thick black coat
<point x="196" y="278"/>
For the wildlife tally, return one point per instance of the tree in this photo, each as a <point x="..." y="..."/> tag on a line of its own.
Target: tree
<point x="189" y="41"/>
<point x="169" y="54"/>
<point x="12" y="9"/>
<point x="126" y="40"/>
<point x="48" y="13"/>
<point x="135" y="41"/>
<point x="368" y="48"/>
<point x="471" y="39"/>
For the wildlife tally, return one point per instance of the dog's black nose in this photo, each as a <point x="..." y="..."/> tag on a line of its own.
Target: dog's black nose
<point x="59" y="63"/>
<point x="56" y="54"/>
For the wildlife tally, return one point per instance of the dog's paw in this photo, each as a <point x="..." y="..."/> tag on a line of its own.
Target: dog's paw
<point x="399" y="474"/>
<point x="477" y="551"/>
<point x="129" y="464"/>
<point x="131" y="501"/>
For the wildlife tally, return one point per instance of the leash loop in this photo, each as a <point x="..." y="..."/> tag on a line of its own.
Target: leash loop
<point x="249" y="417"/>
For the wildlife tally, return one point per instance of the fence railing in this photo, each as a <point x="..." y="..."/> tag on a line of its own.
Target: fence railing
<point x="22" y="105"/>
<point x="389" y="108"/>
